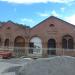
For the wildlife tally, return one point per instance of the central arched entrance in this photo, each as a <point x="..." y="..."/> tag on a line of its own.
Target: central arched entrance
<point x="36" y="45"/>
<point x="51" y="47"/>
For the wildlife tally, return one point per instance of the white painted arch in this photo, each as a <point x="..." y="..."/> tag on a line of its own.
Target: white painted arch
<point x="37" y="45"/>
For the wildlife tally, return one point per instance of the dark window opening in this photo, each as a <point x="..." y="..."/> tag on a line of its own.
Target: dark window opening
<point x="51" y="25"/>
<point x="51" y="47"/>
<point x="31" y="46"/>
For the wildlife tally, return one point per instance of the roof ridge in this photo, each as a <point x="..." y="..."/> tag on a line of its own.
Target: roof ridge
<point x="55" y="18"/>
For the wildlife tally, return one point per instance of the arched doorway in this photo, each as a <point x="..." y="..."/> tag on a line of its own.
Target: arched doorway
<point x="67" y="42"/>
<point x="35" y="45"/>
<point x="51" y="47"/>
<point x="19" y="44"/>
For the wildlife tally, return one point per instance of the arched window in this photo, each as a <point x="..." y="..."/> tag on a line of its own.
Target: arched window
<point x="7" y="42"/>
<point x="51" y="25"/>
<point x="51" y="47"/>
<point x="35" y="45"/>
<point x="67" y="42"/>
<point x="0" y="42"/>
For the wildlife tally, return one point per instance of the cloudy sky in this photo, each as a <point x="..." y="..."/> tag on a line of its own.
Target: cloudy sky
<point x="31" y="12"/>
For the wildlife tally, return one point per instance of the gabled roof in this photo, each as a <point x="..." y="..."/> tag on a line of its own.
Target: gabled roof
<point x="54" y="18"/>
<point x="21" y="25"/>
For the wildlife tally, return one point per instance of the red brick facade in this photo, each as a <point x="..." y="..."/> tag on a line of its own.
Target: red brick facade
<point x="51" y="33"/>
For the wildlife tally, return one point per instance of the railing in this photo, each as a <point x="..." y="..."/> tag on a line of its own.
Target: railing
<point x="38" y="52"/>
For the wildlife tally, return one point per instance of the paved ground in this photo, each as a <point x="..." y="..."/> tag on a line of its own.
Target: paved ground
<point x="59" y="65"/>
<point x="10" y="66"/>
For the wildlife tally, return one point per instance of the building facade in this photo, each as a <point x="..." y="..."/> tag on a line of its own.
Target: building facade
<point x="52" y="36"/>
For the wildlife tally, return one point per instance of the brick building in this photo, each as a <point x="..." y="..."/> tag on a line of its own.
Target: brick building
<point x="52" y="36"/>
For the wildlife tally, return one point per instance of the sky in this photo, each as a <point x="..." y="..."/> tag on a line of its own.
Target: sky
<point x="32" y="12"/>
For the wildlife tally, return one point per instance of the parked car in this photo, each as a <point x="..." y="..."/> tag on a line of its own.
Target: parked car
<point x="6" y="54"/>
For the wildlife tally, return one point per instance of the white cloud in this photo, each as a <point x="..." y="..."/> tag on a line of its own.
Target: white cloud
<point x="26" y="20"/>
<point x="71" y="19"/>
<point x="61" y="1"/>
<point x="43" y="14"/>
<point x="37" y="1"/>
<point x="54" y="13"/>
<point x="49" y="13"/>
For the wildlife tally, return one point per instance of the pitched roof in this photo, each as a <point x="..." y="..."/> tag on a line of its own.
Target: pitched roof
<point x="54" y="18"/>
<point x="21" y="25"/>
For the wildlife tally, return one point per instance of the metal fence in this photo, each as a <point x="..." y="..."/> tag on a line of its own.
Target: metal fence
<point x="38" y="52"/>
